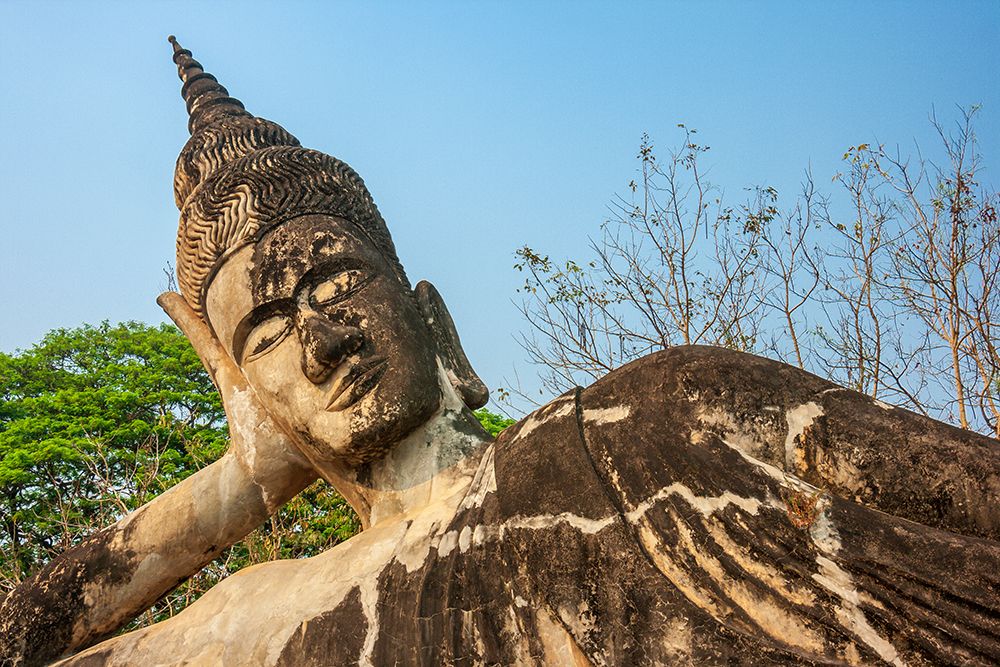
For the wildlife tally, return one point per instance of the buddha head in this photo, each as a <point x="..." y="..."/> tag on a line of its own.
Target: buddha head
<point x="283" y="253"/>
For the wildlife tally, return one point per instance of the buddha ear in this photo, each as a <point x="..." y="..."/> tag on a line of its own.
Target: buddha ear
<point x="465" y="381"/>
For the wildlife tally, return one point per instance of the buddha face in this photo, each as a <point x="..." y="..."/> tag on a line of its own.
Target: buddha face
<point x="332" y="343"/>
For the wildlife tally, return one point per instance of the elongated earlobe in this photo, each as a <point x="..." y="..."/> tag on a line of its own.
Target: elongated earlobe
<point x="465" y="381"/>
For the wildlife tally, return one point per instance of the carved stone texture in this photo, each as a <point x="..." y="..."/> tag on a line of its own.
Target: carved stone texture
<point x="620" y="525"/>
<point x="699" y="506"/>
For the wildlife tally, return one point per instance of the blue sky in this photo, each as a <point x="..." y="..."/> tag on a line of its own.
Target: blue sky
<point x="479" y="127"/>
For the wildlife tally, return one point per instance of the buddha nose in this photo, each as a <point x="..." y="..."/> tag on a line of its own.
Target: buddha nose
<point x="324" y="344"/>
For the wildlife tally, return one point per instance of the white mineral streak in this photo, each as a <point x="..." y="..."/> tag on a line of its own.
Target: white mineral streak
<point x="613" y="475"/>
<point x="465" y="539"/>
<point x="678" y="576"/>
<point x="562" y="407"/>
<point x="799" y="419"/>
<point x="707" y="505"/>
<point x="774" y="618"/>
<point x="424" y="531"/>
<point x="447" y="543"/>
<point x="483" y="484"/>
<point x="471" y="536"/>
<point x="775" y="579"/>
<point x="826" y="538"/>
<point x="369" y="606"/>
<point x="849" y="614"/>
<point x="790" y="481"/>
<point x="736" y="433"/>
<point x="823" y="533"/>
<point x="580" y="523"/>
<point x="769" y="616"/>
<point x="512" y="627"/>
<point x="414" y="556"/>
<point x="598" y="416"/>
<point x="558" y="646"/>
<point x="472" y="635"/>
<point x="839" y="582"/>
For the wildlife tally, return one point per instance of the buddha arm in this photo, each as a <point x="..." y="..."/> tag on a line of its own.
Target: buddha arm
<point x="91" y="590"/>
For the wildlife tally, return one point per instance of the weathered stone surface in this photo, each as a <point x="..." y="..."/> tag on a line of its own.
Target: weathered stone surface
<point x="615" y="527"/>
<point x="876" y="454"/>
<point x="699" y="506"/>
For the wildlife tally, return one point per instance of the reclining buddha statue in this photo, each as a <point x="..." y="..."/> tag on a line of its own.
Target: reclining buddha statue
<point x="697" y="506"/>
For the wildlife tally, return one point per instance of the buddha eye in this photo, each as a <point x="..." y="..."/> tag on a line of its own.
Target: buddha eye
<point x="337" y="288"/>
<point x="265" y="336"/>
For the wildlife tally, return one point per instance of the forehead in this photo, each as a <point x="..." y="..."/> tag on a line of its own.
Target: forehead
<point x="287" y="252"/>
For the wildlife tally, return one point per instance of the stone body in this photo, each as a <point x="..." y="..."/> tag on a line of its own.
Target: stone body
<point x="699" y="506"/>
<point x="647" y="520"/>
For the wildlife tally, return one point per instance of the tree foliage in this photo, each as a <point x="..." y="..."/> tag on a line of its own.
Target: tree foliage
<point x="492" y="422"/>
<point x="96" y="421"/>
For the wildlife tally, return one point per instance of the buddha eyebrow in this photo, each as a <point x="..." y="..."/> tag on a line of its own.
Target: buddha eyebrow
<point x="330" y="265"/>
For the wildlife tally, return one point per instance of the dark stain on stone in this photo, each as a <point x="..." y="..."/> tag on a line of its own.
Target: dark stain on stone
<point x="547" y="472"/>
<point x="37" y="619"/>
<point x="336" y="637"/>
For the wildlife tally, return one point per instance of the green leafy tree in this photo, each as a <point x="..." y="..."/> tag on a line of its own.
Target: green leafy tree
<point x="95" y="421"/>
<point x="492" y="422"/>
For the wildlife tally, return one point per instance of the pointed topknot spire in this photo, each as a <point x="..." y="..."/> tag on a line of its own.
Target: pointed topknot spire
<point x="206" y="99"/>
